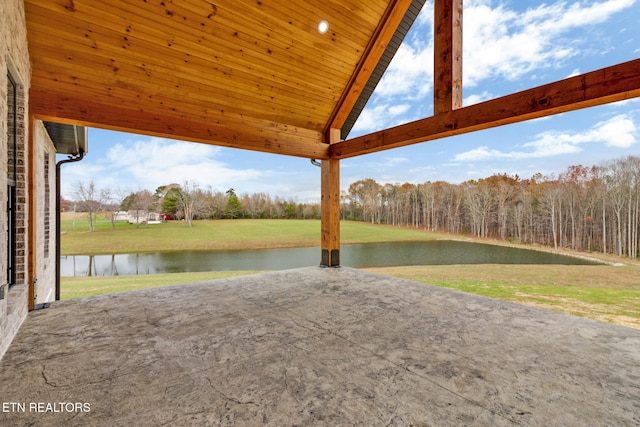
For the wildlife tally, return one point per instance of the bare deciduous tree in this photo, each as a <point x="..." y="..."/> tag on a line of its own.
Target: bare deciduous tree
<point x="91" y="200"/>
<point x="191" y="200"/>
<point x="115" y="198"/>
<point x="584" y="208"/>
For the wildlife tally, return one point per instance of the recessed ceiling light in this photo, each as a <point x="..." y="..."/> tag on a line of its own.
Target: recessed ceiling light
<point x="323" y="26"/>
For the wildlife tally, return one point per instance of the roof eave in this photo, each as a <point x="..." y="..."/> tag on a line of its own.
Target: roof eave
<point x="67" y="139"/>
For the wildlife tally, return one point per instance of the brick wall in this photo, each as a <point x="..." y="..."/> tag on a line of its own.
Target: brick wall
<point x="14" y="60"/>
<point x="45" y="172"/>
<point x="21" y="189"/>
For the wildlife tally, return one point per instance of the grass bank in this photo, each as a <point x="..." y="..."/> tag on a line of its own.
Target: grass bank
<point x="603" y="292"/>
<point x="80" y="287"/>
<point x="219" y="234"/>
<point x="600" y="292"/>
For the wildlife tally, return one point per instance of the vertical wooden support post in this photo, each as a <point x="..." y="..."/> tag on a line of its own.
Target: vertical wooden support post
<point x="330" y="208"/>
<point x="447" y="56"/>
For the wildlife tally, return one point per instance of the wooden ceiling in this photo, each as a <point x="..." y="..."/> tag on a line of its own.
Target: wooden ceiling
<point x="248" y="74"/>
<point x="257" y="74"/>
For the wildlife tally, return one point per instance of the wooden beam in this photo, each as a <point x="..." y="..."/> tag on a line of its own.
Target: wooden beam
<point x="447" y="56"/>
<point x="330" y="208"/>
<point x="388" y="26"/>
<point x="246" y="133"/>
<point x="615" y="83"/>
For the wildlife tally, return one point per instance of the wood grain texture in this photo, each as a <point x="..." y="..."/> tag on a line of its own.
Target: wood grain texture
<point x="226" y="63"/>
<point x="246" y="133"/>
<point x="330" y="206"/>
<point x="447" y="56"/>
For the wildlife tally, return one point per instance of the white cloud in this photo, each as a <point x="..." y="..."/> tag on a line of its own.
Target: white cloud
<point x="396" y="110"/>
<point x="476" y="98"/>
<point x="478" y="154"/>
<point x="149" y="163"/>
<point x="395" y="161"/>
<point x="381" y="117"/>
<point x="73" y="174"/>
<point x="619" y="131"/>
<point x="550" y="144"/>
<point x="543" y="148"/>
<point x="370" y="119"/>
<point x="575" y="72"/>
<point x="158" y="151"/>
<point x="499" y="42"/>
<point x="410" y="73"/>
<point x="580" y="14"/>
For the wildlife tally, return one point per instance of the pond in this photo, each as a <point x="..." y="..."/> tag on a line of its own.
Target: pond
<point x="435" y="252"/>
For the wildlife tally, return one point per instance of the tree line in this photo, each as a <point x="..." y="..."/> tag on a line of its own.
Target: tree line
<point x="584" y="208"/>
<point x="593" y="208"/>
<point x="186" y="202"/>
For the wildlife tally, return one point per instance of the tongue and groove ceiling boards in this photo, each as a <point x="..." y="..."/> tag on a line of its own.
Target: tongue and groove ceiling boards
<point x="246" y="74"/>
<point x="258" y="75"/>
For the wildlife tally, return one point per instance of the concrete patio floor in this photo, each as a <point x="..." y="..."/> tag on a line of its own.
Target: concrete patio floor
<point x="313" y="346"/>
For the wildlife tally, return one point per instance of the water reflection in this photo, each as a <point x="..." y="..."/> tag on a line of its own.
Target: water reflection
<point x="439" y="252"/>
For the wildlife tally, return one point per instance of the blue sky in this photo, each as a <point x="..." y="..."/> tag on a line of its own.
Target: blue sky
<point x="508" y="46"/>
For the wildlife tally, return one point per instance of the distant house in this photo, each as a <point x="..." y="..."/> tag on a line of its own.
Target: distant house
<point x="121" y="216"/>
<point x="143" y="217"/>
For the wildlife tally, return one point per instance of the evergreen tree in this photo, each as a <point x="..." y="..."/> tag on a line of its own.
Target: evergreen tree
<point x="171" y="201"/>
<point x="234" y="207"/>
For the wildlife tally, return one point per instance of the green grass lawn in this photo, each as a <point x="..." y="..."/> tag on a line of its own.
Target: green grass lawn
<point x="603" y="292"/>
<point x="79" y="287"/>
<point x="220" y="234"/>
<point x="600" y="292"/>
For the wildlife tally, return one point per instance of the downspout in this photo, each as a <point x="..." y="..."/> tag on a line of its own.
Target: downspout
<point x="72" y="158"/>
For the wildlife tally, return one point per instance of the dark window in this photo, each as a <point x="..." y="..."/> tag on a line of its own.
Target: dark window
<point x="12" y="146"/>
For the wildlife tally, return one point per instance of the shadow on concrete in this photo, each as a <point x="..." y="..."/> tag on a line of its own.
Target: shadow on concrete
<point x="316" y="346"/>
